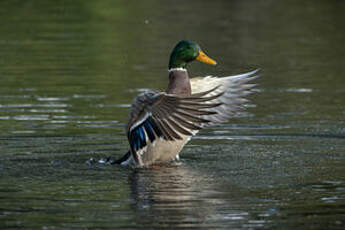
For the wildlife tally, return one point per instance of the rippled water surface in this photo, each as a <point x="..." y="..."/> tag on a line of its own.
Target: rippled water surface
<point x="69" y="71"/>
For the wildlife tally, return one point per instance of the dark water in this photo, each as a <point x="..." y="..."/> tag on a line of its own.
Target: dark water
<point x="69" y="71"/>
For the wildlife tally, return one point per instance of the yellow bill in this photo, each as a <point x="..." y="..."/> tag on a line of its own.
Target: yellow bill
<point x="204" y="58"/>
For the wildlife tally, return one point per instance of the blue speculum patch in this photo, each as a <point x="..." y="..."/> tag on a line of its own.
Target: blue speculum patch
<point x="137" y="137"/>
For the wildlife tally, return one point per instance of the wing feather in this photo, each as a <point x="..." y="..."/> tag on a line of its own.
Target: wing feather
<point x="234" y="89"/>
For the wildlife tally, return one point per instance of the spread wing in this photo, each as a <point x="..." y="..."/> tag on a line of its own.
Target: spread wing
<point x="170" y="117"/>
<point x="166" y="116"/>
<point x="233" y="88"/>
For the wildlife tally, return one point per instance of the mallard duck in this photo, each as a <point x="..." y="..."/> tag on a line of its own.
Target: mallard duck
<point x="161" y="123"/>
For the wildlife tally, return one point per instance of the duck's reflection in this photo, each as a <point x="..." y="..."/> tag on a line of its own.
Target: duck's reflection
<point x="174" y="194"/>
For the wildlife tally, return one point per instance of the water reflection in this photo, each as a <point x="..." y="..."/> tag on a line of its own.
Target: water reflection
<point x="176" y="194"/>
<point x="180" y="196"/>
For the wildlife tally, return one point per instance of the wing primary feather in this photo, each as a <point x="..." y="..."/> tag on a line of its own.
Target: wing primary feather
<point x="244" y="75"/>
<point x="201" y="99"/>
<point x="166" y="134"/>
<point x="170" y="130"/>
<point x="186" y="123"/>
<point x="205" y="92"/>
<point x="196" y="111"/>
<point x="164" y="109"/>
<point x="178" y="127"/>
<point x="190" y="117"/>
<point x="245" y="80"/>
<point x="159" y="115"/>
<point x="240" y="88"/>
<point x="198" y="105"/>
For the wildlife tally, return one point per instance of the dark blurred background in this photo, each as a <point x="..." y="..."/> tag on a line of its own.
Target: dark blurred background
<point x="69" y="71"/>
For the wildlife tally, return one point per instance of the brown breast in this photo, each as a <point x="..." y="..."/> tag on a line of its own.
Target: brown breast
<point x="179" y="83"/>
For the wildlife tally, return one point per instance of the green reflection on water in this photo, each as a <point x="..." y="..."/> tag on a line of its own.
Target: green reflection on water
<point x="70" y="69"/>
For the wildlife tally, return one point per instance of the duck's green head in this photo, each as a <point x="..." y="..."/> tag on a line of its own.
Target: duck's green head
<point x="185" y="52"/>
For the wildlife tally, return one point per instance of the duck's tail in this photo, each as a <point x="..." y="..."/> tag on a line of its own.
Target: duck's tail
<point x="122" y="159"/>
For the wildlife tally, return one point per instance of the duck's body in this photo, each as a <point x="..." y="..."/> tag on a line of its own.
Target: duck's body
<point x="161" y="123"/>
